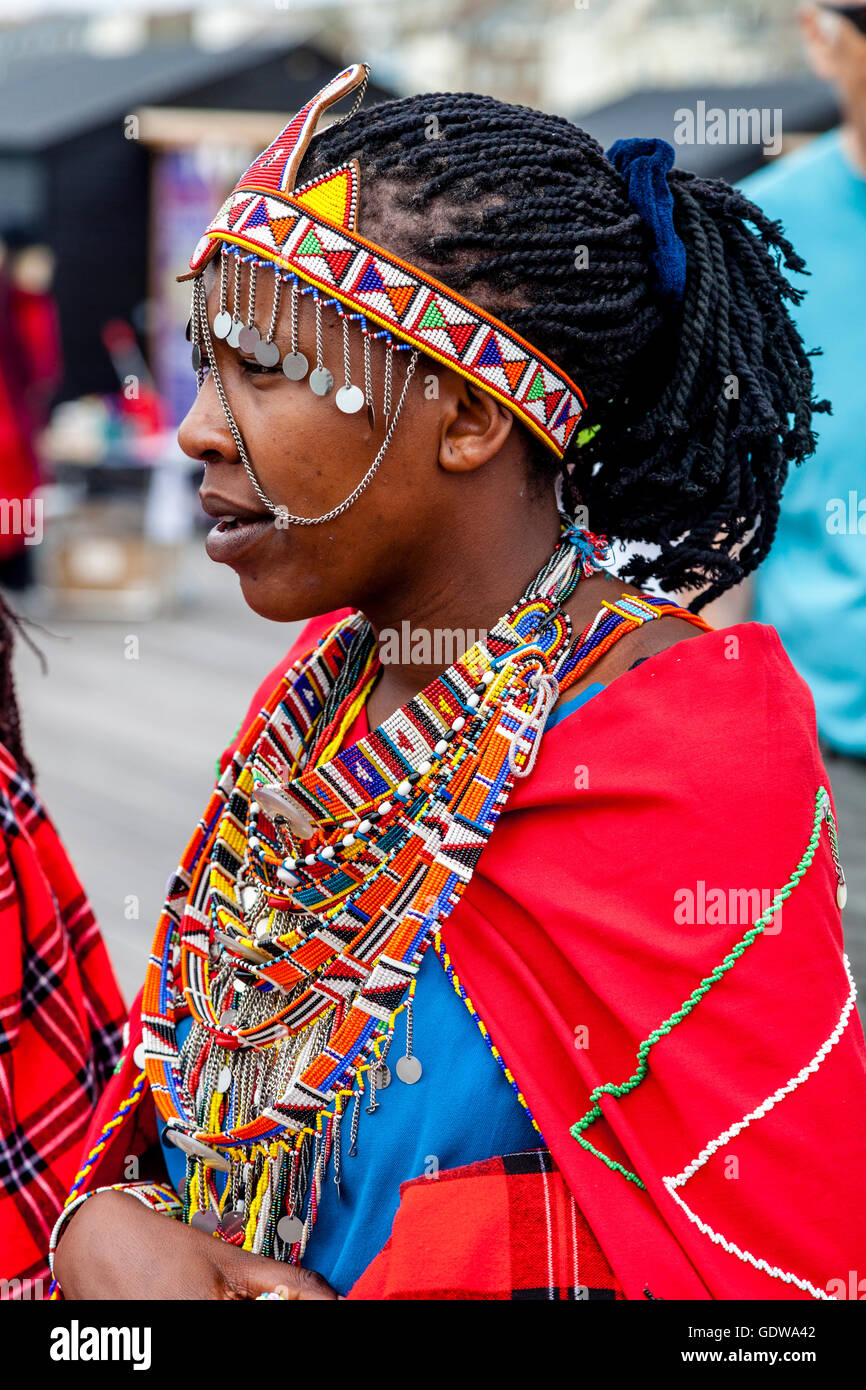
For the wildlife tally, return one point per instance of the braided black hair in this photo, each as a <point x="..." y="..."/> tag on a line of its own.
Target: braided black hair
<point x="10" y="719"/>
<point x="699" y="411"/>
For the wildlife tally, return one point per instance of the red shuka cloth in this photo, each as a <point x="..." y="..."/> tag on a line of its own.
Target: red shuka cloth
<point x="60" y="1019"/>
<point x="590" y="920"/>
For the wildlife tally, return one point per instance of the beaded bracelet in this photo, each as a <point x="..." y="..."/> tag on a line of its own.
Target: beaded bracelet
<point x="157" y="1196"/>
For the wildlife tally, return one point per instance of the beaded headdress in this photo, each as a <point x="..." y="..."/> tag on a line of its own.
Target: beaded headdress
<point x="307" y="237"/>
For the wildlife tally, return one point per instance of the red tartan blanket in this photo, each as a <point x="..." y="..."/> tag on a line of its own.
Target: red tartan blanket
<point x="522" y="1236"/>
<point x="61" y="1015"/>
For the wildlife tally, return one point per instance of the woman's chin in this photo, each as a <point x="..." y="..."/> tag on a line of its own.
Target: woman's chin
<point x="280" y="602"/>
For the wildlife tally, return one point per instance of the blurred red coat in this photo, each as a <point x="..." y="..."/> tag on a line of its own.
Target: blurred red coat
<point x="30" y="367"/>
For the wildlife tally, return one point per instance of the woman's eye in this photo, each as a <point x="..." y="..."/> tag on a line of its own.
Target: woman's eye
<point x="254" y="368"/>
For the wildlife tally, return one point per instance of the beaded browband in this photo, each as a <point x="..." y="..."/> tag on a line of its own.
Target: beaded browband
<point x="309" y="232"/>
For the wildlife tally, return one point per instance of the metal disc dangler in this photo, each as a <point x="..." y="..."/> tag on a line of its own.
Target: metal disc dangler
<point x="409" y="1070"/>
<point x="222" y="324"/>
<point x="196" y="357"/>
<point x="232" y="1225"/>
<point x="233" y="333"/>
<point x="205" y="1221"/>
<point x="295" y="366"/>
<point x="267" y="354"/>
<point x="321" y="381"/>
<point x="290" y="1229"/>
<point x="349" y="399"/>
<point x="248" y="338"/>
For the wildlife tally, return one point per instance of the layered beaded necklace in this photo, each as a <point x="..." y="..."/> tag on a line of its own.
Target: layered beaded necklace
<point x="295" y="925"/>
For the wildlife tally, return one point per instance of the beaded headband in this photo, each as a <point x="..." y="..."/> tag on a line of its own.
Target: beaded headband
<point x="309" y="234"/>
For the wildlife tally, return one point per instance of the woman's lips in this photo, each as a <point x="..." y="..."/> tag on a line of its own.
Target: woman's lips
<point x="232" y="537"/>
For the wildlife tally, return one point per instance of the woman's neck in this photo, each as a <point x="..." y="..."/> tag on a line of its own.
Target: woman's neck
<point x="426" y="624"/>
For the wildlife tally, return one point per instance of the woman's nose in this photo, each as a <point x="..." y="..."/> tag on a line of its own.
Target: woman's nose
<point x="204" y="433"/>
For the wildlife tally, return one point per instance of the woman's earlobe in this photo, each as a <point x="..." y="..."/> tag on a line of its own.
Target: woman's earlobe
<point x="474" y="428"/>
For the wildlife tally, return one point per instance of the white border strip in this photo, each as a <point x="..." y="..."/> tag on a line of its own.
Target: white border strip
<point x="757" y="1114"/>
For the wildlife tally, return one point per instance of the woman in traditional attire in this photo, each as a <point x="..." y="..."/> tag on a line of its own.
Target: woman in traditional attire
<point x="60" y="1010"/>
<point x="515" y="972"/>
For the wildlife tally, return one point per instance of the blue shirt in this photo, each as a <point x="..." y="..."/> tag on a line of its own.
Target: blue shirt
<point x="462" y="1110"/>
<point x="812" y="586"/>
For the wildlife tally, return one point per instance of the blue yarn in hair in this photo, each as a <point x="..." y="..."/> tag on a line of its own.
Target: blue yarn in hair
<point x="644" y="164"/>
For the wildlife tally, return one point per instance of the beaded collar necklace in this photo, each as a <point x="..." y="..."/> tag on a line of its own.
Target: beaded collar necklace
<point x="294" y="927"/>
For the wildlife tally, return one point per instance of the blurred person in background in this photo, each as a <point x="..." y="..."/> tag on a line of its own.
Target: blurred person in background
<point x="30" y="369"/>
<point x="60" y="1008"/>
<point x="812" y="586"/>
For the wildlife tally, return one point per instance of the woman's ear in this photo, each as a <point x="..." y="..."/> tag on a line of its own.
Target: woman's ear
<point x="473" y="424"/>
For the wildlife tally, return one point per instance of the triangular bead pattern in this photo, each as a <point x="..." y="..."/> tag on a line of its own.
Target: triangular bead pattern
<point x="311" y="233"/>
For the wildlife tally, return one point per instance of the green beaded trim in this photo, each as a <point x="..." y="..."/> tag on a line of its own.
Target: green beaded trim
<point x="822" y="812"/>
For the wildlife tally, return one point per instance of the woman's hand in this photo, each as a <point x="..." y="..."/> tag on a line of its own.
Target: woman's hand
<point x="115" y="1247"/>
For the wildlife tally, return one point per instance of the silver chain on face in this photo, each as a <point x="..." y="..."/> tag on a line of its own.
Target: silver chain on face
<point x="275" y="310"/>
<point x="389" y="367"/>
<point x="236" y="295"/>
<point x="294" y="339"/>
<point x="251" y="297"/>
<point x="347" y="363"/>
<point x="318" y="307"/>
<point x="368" y="377"/>
<point x="201" y="325"/>
<point x="224" y="282"/>
<point x="230" y="419"/>
<point x="371" y="471"/>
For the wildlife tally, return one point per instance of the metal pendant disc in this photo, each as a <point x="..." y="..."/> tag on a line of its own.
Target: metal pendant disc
<point x="276" y="806"/>
<point x="237" y="948"/>
<point x="228" y="1017"/>
<point x="195" y="1149"/>
<point x="295" y="366"/>
<point x="841" y="894"/>
<point x="248" y="338"/>
<point x="196" y="357"/>
<point x="267" y="354"/>
<point x="224" y="1080"/>
<point x="138" y="1056"/>
<point x="232" y="1224"/>
<point x="232" y="338"/>
<point x="290" y="1229"/>
<point x="383" y="1077"/>
<point x="321" y="381"/>
<point x="409" y="1070"/>
<point x="349" y="399"/>
<point x="205" y="1221"/>
<point x="249" y="896"/>
<point x="222" y="324"/>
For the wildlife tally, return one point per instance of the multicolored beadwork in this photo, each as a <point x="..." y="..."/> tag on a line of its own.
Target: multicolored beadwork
<point x="294" y="927"/>
<point x="318" y="876"/>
